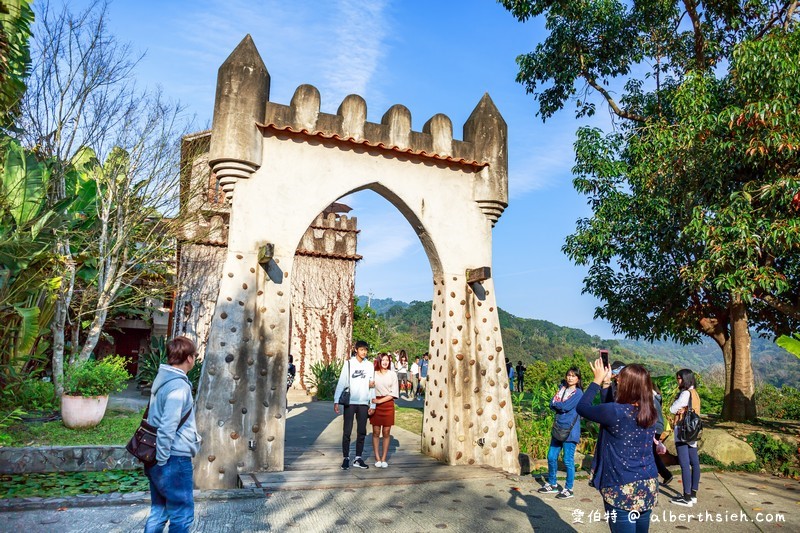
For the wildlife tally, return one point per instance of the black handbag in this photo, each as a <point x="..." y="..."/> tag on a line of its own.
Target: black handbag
<point x="143" y="443"/>
<point x="561" y="434"/>
<point x="344" y="397"/>
<point x="690" y="428"/>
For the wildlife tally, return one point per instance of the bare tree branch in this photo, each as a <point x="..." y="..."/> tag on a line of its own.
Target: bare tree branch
<point x="613" y="104"/>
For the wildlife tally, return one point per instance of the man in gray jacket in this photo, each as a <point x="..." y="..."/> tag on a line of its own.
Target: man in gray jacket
<point x="177" y="441"/>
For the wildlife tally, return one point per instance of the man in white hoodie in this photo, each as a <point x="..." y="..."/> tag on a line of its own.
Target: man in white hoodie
<point x="358" y="374"/>
<point x="177" y="441"/>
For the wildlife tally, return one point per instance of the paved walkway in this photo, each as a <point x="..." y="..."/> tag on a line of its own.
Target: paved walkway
<point x="729" y="502"/>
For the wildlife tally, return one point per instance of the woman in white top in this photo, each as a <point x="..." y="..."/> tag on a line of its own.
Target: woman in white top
<point x="687" y="451"/>
<point x="401" y="367"/>
<point x="386" y="391"/>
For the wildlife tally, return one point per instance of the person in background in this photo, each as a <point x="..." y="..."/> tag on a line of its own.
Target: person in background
<point x="511" y="373"/>
<point x="423" y="376"/>
<point x="662" y="469"/>
<point x="564" y="404"/>
<point x="687" y="451"/>
<point x="401" y="367"/>
<point x="624" y="470"/>
<point x="292" y="371"/>
<point x="609" y="393"/>
<point x="177" y="441"/>
<point x="520" y="376"/>
<point x="358" y="373"/>
<point x="414" y="378"/>
<point x="387" y="390"/>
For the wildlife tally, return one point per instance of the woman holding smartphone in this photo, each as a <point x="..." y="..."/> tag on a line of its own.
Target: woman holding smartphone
<point x="624" y="470"/>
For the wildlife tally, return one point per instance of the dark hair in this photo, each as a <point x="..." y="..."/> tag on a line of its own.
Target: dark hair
<point x="635" y="387"/>
<point x="380" y="358"/>
<point x="179" y="349"/>
<point x="577" y="371"/>
<point x="361" y="344"/>
<point x="617" y="364"/>
<point x="402" y="355"/>
<point x="687" y="379"/>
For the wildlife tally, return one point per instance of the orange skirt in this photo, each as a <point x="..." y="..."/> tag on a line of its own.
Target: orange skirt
<point x="384" y="414"/>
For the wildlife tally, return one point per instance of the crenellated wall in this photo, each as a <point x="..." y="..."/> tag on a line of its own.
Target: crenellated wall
<point x="279" y="166"/>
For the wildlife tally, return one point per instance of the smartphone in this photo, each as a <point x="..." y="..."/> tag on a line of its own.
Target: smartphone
<point x="604" y="357"/>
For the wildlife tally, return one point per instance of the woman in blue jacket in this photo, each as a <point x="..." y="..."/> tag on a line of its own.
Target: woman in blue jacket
<point x="624" y="470"/>
<point x="564" y="403"/>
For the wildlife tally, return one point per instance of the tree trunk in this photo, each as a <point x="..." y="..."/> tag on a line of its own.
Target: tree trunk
<point x="58" y="325"/>
<point x="93" y="335"/>
<point x="739" y="404"/>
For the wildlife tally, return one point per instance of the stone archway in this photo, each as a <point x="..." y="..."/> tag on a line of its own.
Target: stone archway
<point x="280" y="166"/>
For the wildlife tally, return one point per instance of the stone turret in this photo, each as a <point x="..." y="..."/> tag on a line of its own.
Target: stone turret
<point x="486" y="130"/>
<point x="242" y="94"/>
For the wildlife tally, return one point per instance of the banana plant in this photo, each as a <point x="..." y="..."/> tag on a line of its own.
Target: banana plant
<point x="790" y="343"/>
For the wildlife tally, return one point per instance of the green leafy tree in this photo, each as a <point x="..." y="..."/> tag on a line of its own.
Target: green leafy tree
<point x="694" y="192"/>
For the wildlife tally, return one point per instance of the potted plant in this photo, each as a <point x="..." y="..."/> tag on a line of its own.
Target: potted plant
<point x="87" y="385"/>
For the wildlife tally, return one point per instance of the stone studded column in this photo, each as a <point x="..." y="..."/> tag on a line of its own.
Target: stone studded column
<point x="468" y="414"/>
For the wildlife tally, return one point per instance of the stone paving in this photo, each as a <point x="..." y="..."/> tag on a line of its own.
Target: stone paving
<point x="729" y="502"/>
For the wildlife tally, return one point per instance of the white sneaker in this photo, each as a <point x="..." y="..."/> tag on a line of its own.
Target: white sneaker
<point x="378" y="464"/>
<point x="384" y="465"/>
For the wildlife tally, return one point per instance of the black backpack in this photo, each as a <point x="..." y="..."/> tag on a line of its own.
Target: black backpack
<point x="690" y="427"/>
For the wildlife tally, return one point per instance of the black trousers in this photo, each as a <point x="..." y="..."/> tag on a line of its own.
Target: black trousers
<point x="662" y="469"/>
<point x="360" y="413"/>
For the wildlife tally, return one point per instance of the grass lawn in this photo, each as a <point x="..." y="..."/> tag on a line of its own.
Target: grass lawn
<point x="115" y="429"/>
<point x="409" y="418"/>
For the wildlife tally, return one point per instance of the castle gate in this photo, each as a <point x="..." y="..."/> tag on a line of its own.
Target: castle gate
<point x="279" y="167"/>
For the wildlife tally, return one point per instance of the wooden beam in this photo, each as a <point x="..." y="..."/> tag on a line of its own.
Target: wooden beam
<point x="474" y="275"/>
<point x="265" y="254"/>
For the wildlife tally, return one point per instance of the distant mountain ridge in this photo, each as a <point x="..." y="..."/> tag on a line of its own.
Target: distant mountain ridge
<point x="380" y="305"/>
<point x="529" y="339"/>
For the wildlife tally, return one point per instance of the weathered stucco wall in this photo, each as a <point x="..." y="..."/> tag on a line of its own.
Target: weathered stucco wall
<point x="322" y="313"/>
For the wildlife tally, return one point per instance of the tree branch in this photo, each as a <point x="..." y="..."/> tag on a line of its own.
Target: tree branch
<point x="779" y="304"/>
<point x="789" y="15"/>
<point x="699" y="39"/>
<point x="614" y="107"/>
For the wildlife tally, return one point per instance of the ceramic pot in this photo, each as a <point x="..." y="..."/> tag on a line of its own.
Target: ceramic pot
<point x="78" y="412"/>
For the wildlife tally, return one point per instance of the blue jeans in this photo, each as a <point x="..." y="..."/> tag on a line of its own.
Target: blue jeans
<point x="690" y="467"/>
<point x="171" y="496"/>
<point x="623" y="522"/>
<point x="569" y="462"/>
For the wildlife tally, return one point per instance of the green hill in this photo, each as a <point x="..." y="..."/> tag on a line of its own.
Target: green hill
<point x="529" y="340"/>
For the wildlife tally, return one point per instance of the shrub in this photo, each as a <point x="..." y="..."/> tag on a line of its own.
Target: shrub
<point x="778" y="403"/>
<point x="324" y="377"/>
<point x="147" y="367"/>
<point x="96" y="378"/>
<point x="36" y="395"/>
<point x="770" y="451"/>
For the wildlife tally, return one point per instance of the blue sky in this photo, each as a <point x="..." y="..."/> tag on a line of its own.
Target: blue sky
<point x="431" y="56"/>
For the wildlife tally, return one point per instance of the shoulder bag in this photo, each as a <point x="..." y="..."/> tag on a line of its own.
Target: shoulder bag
<point x="344" y="398"/>
<point x="690" y="427"/>
<point x="143" y="443"/>
<point x="561" y="434"/>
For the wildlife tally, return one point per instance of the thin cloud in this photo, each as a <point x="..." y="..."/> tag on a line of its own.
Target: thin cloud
<point x="336" y="46"/>
<point x="546" y="165"/>
<point x="360" y="36"/>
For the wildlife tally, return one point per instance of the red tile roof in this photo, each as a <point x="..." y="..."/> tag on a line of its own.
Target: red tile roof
<point x="364" y="142"/>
